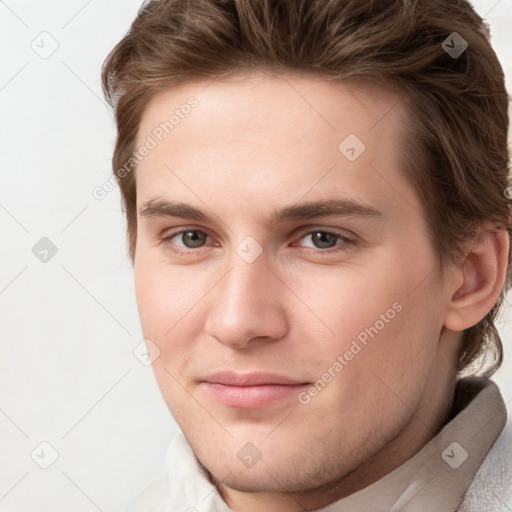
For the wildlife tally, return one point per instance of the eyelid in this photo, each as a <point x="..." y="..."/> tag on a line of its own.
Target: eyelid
<point x="306" y="230"/>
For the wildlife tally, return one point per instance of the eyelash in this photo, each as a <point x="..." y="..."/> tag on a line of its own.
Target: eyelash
<point x="308" y="250"/>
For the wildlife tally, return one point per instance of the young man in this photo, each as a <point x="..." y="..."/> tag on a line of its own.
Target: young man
<point x="318" y="218"/>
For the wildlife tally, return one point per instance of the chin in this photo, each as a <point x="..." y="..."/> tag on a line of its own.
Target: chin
<point x="264" y="478"/>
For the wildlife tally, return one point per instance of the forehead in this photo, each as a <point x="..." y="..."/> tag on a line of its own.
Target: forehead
<point x="262" y="98"/>
<point x="263" y="138"/>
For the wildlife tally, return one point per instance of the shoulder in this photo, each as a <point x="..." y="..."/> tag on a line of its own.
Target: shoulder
<point x="491" y="489"/>
<point x="181" y="486"/>
<point x="153" y="497"/>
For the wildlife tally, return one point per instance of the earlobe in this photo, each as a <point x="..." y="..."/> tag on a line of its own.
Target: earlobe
<point x="484" y="271"/>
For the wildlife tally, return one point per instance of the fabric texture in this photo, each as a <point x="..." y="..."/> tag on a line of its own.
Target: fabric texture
<point x="466" y="467"/>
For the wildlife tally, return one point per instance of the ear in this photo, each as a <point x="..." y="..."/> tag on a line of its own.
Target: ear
<point x="483" y="273"/>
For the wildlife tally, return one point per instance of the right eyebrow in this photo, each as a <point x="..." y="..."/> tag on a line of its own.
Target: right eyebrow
<point x="161" y="208"/>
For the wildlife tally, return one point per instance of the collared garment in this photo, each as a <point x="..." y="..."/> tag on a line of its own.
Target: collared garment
<point x="466" y="467"/>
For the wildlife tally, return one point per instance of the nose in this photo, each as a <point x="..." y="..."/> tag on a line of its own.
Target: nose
<point x="247" y="304"/>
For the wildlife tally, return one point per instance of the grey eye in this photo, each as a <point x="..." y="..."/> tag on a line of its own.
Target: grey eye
<point x="323" y="239"/>
<point x="193" y="239"/>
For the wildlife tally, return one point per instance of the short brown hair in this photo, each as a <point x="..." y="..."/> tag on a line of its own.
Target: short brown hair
<point x="457" y="157"/>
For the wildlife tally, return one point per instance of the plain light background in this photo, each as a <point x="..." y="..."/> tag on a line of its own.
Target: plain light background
<point x="68" y="374"/>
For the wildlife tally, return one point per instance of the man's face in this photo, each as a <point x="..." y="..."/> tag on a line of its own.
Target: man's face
<point x="341" y="305"/>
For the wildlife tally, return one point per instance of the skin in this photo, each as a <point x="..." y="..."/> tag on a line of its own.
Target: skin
<point x="253" y="145"/>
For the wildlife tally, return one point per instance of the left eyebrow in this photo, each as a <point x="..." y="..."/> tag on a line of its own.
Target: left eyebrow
<point x="158" y="207"/>
<point x="315" y="209"/>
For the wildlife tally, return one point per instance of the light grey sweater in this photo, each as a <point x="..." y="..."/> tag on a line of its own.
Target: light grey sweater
<point x="466" y="467"/>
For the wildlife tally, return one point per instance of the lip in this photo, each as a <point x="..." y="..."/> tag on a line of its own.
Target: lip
<point x="228" y="378"/>
<point x="251" y="390"/>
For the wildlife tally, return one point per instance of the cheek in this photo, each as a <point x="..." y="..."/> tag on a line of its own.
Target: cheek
<point x="377" y="316"/>
<point x="166" y="304"/>
<point x="164" y="293"/>
<point x="363" y="374"/>
<point x="347" y="300"/>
